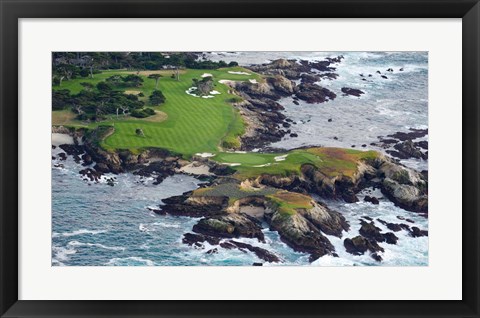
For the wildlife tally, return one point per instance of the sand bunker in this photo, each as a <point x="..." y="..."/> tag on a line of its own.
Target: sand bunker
<point x="253" y="81"/>
<point x="265" y="165"/>
<point x="205" y="154"/>
<point x="215" y="92"/>
<point x="233" y="164"/>
<point x="280" y="158"/>
<point x="132" y="92"/>
<point x="196" y="169"/>
<point x="238" y="73"/>
<point x="191" y="90"/>
<point x="207" y="75"/>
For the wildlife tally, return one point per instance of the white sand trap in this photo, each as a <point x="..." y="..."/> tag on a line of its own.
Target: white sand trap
<point x="205" y="154"/>
<point x="226" y="82"/>
<point x="196" y="169"/>
<point x="61" y="139"/>
<point x="253" y="81"/>
<point x="238" y="73"/>
<point x="235" y="164"/>
<point x="215" y="93"/>
<point x="207" y="75"/>
<point x="280" y="158"/>
<point x="265" y="165"/>
<point x="190" y="90"/>
<point x="208" y="96"/>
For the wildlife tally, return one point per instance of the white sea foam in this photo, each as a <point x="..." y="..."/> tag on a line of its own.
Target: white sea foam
<point x="127" y="261"/>
<point x="167" y="225"/>
<point x="78" y="232"/>
<point x="61" y="254"/>
<point x="98" y="245"/>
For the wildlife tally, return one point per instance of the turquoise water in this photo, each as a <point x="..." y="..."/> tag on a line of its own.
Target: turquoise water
<point x="97" y="225"/>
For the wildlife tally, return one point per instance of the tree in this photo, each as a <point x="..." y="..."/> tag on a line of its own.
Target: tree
<point x="133" y="80"/>
<point x="157" y="98"/>
<point x="60" y="99"/>
<point x="64" y="71"/>
<point x="102" y="86"/>
<point x="139" y="132"/>
<point x="156" y="77"/>
<point x="204" y="85"/>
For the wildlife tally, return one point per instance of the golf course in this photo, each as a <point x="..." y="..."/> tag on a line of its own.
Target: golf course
<point x="184" y="124"/>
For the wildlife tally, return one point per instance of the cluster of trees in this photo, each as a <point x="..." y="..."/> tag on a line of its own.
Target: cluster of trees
<point x="96" y="102"/>
<point x="125" y="81"/>
<point x="69" y="65"/>
<point x="204" y="86"/>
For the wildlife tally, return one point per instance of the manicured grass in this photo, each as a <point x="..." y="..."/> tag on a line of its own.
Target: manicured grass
<point x="192" y="125"/>
<point x="330" y="161"/>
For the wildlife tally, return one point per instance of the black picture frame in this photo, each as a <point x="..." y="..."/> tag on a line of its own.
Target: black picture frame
<point x="11" y="11"/>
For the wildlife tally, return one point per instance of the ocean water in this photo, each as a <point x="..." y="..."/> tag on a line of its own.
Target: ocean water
<point x="94" y="224"/>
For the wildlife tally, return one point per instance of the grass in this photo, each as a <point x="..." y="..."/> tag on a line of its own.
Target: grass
<point x="192" y="124"/>
<point x="287" y="203"/>
<point x="233" y="191"/>
<point x="330" y="161"/>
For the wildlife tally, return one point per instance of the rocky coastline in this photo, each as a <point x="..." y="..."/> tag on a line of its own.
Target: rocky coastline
<point x="284" y="204"/>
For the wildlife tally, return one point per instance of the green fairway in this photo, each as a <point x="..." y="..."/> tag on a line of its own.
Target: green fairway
<point x="192" y="124"/>
<point x="331" y="161"/>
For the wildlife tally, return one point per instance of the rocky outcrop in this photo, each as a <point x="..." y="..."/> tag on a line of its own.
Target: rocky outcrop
<point x="359" y="245"/>
<point x="314" y="94"/>
<point x="328" y="221"/>
<point x="352" y="91"/>
<point x="185" y="205"/>
<point x="261" y="253"/>
<point x="230" y="225"/>
<point x="405" y="187"/>
<point x="300" y="234"/>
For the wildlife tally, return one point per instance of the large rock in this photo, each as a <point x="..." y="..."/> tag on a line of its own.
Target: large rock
<point x="352" y="91"/>
<point x="370" y="231"/>
<point x="405" y="187"/>
<point x="282" y="85"/>
<point x="314" y="94"/>
<point x="358" y="245"/>
<point x="328" y="221"/>
<point x="230" y="225"/>
<point x="300" y="234"/>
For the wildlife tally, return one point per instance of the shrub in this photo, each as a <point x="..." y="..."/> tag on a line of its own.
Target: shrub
<point x="157" y="98"/>
<point x="231" y="143"/>
<point x="142" y="113"/>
